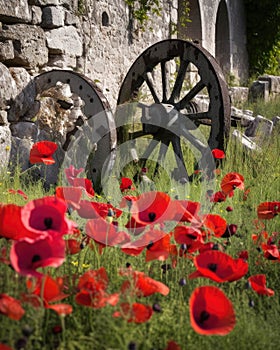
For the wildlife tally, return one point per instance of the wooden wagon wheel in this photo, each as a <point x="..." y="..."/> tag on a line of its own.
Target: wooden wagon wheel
<point x="97" y="112"/>
<point x="176" y="98"/>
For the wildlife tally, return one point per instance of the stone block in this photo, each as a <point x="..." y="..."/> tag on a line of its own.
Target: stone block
<point x="276" y="121"/>
<point x="273" y="83"/>
<point x="3" y="118"/>
<point x="5" y="146"/>
<point x="52" y="17"/>
<point x="24" y="129"/>
<point x="36" y="12"/>
<point x="44" y="2"/>
<point x="71" y="18"/>
<point x="19" y="149"/>
<point x="8" y="88"/>
<point x="259" y="89"/>
<point x="29" y="43"/>
<point x="6" y="50"/>
<point x="26" y="93"/>
<point x="64" y="40"/>
<point x="14" y="11"/>
<point x="238" y="94"/>
<point x="259" y="130"/>
<point x="62" y="61"/>
<point x="245" y="141"/>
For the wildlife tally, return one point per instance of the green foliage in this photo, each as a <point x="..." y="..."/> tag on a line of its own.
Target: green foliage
<point x="141" y="10"/>
<point x="263" y="35"/>
<point x="81" y="7"/>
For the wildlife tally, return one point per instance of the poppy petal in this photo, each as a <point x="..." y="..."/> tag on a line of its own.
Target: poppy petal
<point x="211" y="312"/>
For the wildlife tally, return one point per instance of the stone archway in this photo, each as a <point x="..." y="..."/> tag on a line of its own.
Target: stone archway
<point x="222" y="38"/>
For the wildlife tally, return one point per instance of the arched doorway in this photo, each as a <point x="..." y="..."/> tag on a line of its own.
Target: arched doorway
<point x="189" y="23"/>
<point x="222" y="38"/>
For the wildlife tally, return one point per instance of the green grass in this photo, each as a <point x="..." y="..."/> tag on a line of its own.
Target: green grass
<point x="257" y="327"/>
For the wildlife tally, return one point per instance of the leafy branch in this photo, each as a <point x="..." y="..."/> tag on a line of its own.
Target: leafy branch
<point x="141" y="10"/>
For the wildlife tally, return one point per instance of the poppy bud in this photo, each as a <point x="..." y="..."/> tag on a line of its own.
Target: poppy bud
<point x="251" y="303"/>
<point x="182" y="282"/>
<point x="156" y="307"/>
<point x="131" y="346"/>
<point x="229" y="208"/>
<point x="20" y="343"/>
<point x="27" y="330"/>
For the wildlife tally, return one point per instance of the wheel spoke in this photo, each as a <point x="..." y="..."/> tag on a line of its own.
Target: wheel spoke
<point x="149" y="80"/>
<point x="151" y="146"/>
<point x="190" y="95"/>
<point x="197" y="116"/>
<point x="179" y="156"/>
<point x="198" y="144"/>
<point x="161" y="155"/>
<point x="165" y="81"/>
<point x="179" y="81"/>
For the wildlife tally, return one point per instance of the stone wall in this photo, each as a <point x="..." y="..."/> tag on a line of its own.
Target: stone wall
<point x="97" y="38"/>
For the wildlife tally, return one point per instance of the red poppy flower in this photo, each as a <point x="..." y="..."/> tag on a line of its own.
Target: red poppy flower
<point x="47" y="214"/>
<point x="61" y="309"/>
<point x="186" y="211"/>
<point x="28" y="255"/>
<point x="211" y="312"/>
<point x="95" y="210"/>
<point x="10" y="307"/>
<point x="172" y="345"/>
<point x="188" y="235"/>
<point x="142" y="285"/>
<point x="136" y="312"/>
<point x="5" y="347"/>
<point x="218" y="197"/>
<point x="71" y="173"/>
<point x="231" y="181"/>
<point x="147" y="238"/>
<point x="215" y="224"/>
<point x="20" y="192"/>
<point x="268" y="210"/>
<point x="45" y="291"/>
<point x="152" y="208"/>
<point x="219" y="266"/>
<point x="92" y="290"/>
<point x="159" y="250"/>
<point x="86" y="184"/>
<point x="104" y="233"/>
<point x="42" y="151"/>
<point x="126" y="184"/>
<point x="11" y="226"/>
<point x="258" y="284"/>
<point x="243" y="255"/>
<point x="230" y="231"/>
<point x="46" y="288"/>
<point x="71" y="195"/>
<point x="218" y="153"/>
<point x="271" y="251"/>
<point x="73" y="246"/>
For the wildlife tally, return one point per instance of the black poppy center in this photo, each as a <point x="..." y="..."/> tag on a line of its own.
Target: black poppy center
<point x="48" y="223"/>
<point x="152" y="216"/>
<point x="212" y="267"/>
<point x="149" y="246"/>
<point x="204" y="315"/>
<point x="35" y="258"/>
<point x="190" y="236"/>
